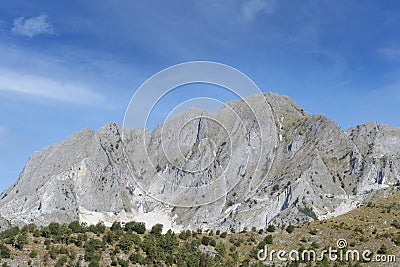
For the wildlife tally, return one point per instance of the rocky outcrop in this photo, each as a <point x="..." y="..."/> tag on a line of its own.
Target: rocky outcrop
<point x="279" y="165"/>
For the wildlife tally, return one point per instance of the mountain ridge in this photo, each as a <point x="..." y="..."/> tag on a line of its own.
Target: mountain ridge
<point x="309" y="162"/>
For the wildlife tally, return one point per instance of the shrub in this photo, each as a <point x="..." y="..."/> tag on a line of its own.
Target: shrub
<point x="36" y="233"/>
<point x="223" y="234"/>
<point x="396" y="224"/>
<point x="382" y="249"/>
<point x="313" y="231"/>
<point x="314" y="245"/>
<point x="33" y="254"/>
<point x="290" y="229"/>
<point x="268" y="239"/>
<point x="220" y="248"/>
<point x="396" y="240"/>
<point x="261" y="245"/>
<point x="271" y="228"/>
<point x="309" y="212"/>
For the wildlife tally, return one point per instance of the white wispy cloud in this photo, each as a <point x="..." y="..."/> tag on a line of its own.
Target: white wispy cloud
<point x="253" y="7"/>
<point x="49" y="88"/>
<point x="32" y="27"/>
<point x="390" y="52"/>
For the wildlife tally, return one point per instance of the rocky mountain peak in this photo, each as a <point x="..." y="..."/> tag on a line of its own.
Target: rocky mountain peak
<point x="306" y="168"/>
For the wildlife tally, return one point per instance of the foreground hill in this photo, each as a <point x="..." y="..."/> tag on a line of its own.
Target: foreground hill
<point x="374" y="226"/>
<point x="306" y="163"/>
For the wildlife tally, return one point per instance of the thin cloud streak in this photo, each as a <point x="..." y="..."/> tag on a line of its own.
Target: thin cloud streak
<point x="250" y="9"/>
<point x="32" y="27"/>
<point x="52" y="89"/>
<point x="392" y="53"/>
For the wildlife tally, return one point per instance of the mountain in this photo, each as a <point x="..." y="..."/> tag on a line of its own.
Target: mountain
<point x="279" y="165"/>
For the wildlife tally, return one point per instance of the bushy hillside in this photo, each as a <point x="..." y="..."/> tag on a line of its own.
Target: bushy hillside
<point x="374" y="226"/>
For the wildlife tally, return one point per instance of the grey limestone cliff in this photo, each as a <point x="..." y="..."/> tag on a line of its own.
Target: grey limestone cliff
<point x="308" y="168"/>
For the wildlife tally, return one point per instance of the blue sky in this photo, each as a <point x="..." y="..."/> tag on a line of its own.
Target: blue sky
<point x="68" y="65"/>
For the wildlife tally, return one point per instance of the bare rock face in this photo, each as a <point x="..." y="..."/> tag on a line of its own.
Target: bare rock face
<point x="273" y="164"/>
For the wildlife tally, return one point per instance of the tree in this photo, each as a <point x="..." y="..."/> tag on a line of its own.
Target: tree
<point x="94" y="263"/>
<point x="223" y="234"/>
<point x="116" y="226"/>
<point x="183" y="236"/>
<point x="21" y="241"/>
<point x="61" y="261"/>
<point x="123" y="263"/>
<point x="36" y="233"/>
<point x="5" y="252"/>
<point x="110" y="237"/>
<point x="97" y="229"/>
<point x="212" y="242"/>
<point x="54" y="228"/>
<point x="126" y="242"/>
<point x="156" y="229"/>
<point x="138" y="227"/>
<point x="136" y="258"/>
<point x="205" y="240"/>
<point x="268" y="239"/>
<point x="92" y="250"/>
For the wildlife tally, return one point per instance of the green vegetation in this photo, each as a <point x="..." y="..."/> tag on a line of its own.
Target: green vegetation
<point x="271" y="228"/>
<point x="309" y="212"/>
<point x="120" y="245"/>
<point x="131" y="244"/>
<point x="290" y="229"/>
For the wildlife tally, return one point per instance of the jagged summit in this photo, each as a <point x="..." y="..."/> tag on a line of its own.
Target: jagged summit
<point x="308" y="162"/>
